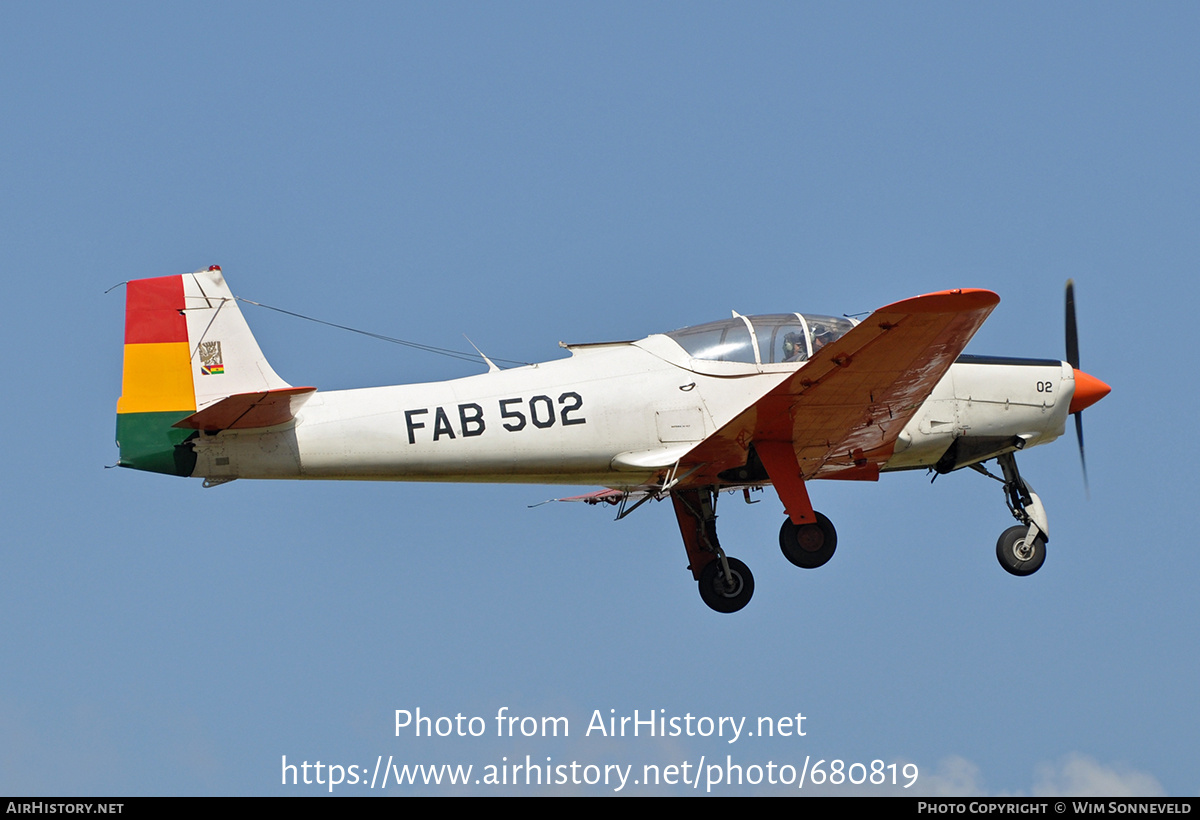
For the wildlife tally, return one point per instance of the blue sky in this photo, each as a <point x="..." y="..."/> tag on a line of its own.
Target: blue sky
<point x="526" y="173"/>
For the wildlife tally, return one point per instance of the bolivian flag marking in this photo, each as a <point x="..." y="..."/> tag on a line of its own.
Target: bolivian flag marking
<point x="211" y="363"/>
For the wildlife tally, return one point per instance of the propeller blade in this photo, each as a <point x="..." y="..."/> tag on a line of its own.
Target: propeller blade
<point x="1088" y="389"/>
<point x="1072" y="331"/>
<point x="1082" y="460"/>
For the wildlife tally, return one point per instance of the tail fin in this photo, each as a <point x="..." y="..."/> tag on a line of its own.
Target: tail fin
<point x="186" y="347"/>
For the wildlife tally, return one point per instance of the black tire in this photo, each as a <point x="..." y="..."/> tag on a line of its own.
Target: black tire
<point x="808" y="545"/>
<point x="721" y="596"/>
<point x="1015" y="556"/>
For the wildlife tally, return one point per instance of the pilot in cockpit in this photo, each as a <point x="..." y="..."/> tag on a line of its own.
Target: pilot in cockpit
<point x="794" y="349"/>
<point x="821" y="336"/>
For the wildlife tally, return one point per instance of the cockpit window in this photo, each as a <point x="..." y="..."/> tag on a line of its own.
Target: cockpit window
<point x="781" y="338"/>
<point x="727" y="341"/>
<point x="824" y="329"/>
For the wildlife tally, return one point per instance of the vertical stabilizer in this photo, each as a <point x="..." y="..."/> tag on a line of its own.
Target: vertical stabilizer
<point x="224" y="357"/>
<point x="186" y="347"/>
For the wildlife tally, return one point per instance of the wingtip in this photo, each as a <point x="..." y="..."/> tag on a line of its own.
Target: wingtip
<point x="947" y="301"/>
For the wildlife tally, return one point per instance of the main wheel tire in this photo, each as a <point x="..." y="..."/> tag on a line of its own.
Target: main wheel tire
<point x="808" y="545"/>
<point x="1016" y="555"/>
<point x="726" y="595"/>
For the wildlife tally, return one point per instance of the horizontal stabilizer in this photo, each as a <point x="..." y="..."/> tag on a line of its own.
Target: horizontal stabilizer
<point x="598" y="497"/>
<point x="247" y="411"/>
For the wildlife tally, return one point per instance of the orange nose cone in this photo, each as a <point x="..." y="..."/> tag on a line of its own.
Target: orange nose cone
<point x="1088" y="391"/>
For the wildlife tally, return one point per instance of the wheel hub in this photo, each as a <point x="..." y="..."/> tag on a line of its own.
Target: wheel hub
<point x="810" y="538"/>
<point x="1023" y="550"/>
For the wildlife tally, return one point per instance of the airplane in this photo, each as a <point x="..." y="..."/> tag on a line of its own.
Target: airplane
<point x="732" y="405"/>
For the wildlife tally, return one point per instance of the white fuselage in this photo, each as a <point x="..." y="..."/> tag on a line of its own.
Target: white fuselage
<point x="613" y="415"/>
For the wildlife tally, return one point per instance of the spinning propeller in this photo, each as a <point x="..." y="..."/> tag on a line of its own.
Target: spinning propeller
<point x="1088" y="389"/>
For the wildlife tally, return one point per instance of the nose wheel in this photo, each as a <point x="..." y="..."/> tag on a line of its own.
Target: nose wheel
<point x="1020" y="553"/>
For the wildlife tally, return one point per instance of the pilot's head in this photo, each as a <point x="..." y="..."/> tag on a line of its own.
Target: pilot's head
<point x="821" y="337"/>
<point x="793" y="344"/>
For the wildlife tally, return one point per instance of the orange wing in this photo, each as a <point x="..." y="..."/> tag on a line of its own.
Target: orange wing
<point x="842" y="411"/>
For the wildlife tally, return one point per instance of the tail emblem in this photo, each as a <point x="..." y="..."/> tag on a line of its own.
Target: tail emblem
<point x="211" y="363"/>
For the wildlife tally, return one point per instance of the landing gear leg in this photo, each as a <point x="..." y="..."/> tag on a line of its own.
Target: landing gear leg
<point x="807" y="538"/>
<point x="1021" y="550"/>
<point x="726" y="584"/>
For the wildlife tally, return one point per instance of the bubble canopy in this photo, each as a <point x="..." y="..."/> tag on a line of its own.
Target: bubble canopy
<point x="772" y="338"/>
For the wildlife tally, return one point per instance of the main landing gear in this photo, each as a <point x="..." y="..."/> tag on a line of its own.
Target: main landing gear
<point x="808" y="545"/>
<point x="725" y="583"/>
<point x="1021" y="550"/>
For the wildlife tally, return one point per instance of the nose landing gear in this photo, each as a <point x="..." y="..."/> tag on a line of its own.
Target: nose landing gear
<point x="1021" y="550"/>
